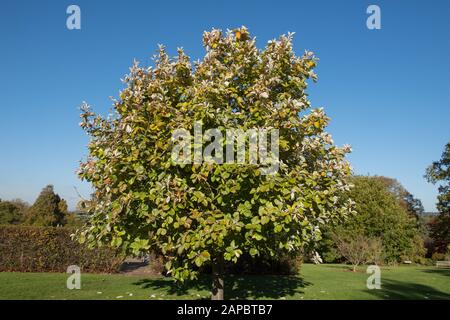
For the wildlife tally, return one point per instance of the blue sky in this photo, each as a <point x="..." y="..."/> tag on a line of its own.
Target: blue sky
<point x="387" y="91"/>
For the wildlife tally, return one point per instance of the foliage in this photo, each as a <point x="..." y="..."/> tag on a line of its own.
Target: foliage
<point x="49" y="249"/>
<point x="407" y="200"/>
<point x="327" y="248"/>
<point x="439" y="172"/>
<point x="197" y="214"/>
<point x="48" y="209"/>
<point x="380" y="215"/>
<point x="12" y="212"/>
<point x="412" y="205"/>
<point x="438" y="256"/>
<point x="73" y="220"/>
<point x="374" y="252"/>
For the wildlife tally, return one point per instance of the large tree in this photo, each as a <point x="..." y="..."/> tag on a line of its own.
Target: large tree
<point x="439" y="172"/>
<point x="210" y="213"/>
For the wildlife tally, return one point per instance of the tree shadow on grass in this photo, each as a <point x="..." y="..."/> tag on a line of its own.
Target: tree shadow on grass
<point x="443" y="271"/>
<point x="172" y="287"/>
<point x="236" y="287"/>
<point x="265" y="286"/>
<point x="399" y="290"/>
<point x="132" y="266"/>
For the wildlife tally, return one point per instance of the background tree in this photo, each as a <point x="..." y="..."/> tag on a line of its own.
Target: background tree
<point x="439" y="172"/>
<point x="210" y="213"/>
<point x="12" y="212"/>
<point x="380" y="216"/>
<point x="358" y="248"/>
<point x="407" y="200"/>
<point x="48" y="209"/>
<point x="70" y="218"/>
<point x="412" y="205"/>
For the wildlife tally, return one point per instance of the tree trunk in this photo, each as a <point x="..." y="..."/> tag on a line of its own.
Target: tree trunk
<point x="217" y="274"/>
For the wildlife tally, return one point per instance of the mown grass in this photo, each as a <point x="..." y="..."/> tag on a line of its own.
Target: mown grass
<point x="315" y="282"/>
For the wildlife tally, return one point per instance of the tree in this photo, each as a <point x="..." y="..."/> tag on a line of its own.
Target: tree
<point x="439" y="172"/>
<point x="358" y="248"/>
<point x="211" y="213"/>
<point x="48" y="209"/>
<point x="381" y="215"/>
<point x="412" y="205"/>
<point x="407" y="200"/>
<point x="12" y="212"/>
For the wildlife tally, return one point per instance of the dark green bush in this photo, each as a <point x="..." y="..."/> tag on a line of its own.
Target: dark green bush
<point x="424" y="261"/>
<point x="49" y="249"/>
<point x="437" y="256"/>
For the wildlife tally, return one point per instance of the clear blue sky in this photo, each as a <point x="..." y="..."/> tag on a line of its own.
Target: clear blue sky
<point x="387" y="91"/>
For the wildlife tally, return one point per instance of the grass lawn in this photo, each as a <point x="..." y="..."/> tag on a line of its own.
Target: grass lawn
<point x="315" y="282"/>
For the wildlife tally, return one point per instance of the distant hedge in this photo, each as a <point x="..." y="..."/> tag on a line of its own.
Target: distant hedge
<point x="49" y="249"/>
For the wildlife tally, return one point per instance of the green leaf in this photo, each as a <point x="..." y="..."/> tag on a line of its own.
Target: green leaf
<point x="257" y="236"/>
<point x="205" y="255"/>
<point x="265" y="220"/>
<point x="198" y="261"/>
<point x="161" y="231"/>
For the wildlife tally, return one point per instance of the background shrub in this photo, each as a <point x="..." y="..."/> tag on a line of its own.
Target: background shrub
<point x="425" y="261"/>
<point x="437" y="256"/>
<point x="49" y="249"/>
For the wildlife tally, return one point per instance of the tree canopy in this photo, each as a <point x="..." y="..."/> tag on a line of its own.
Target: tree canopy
<point x="203" y="213"/>
<point x="439" y="172"/>
<point x="407" y="200"/>
<point x="12" y="212"/>
<point x="382" y="214"/>
<point x="48" y="209"/>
